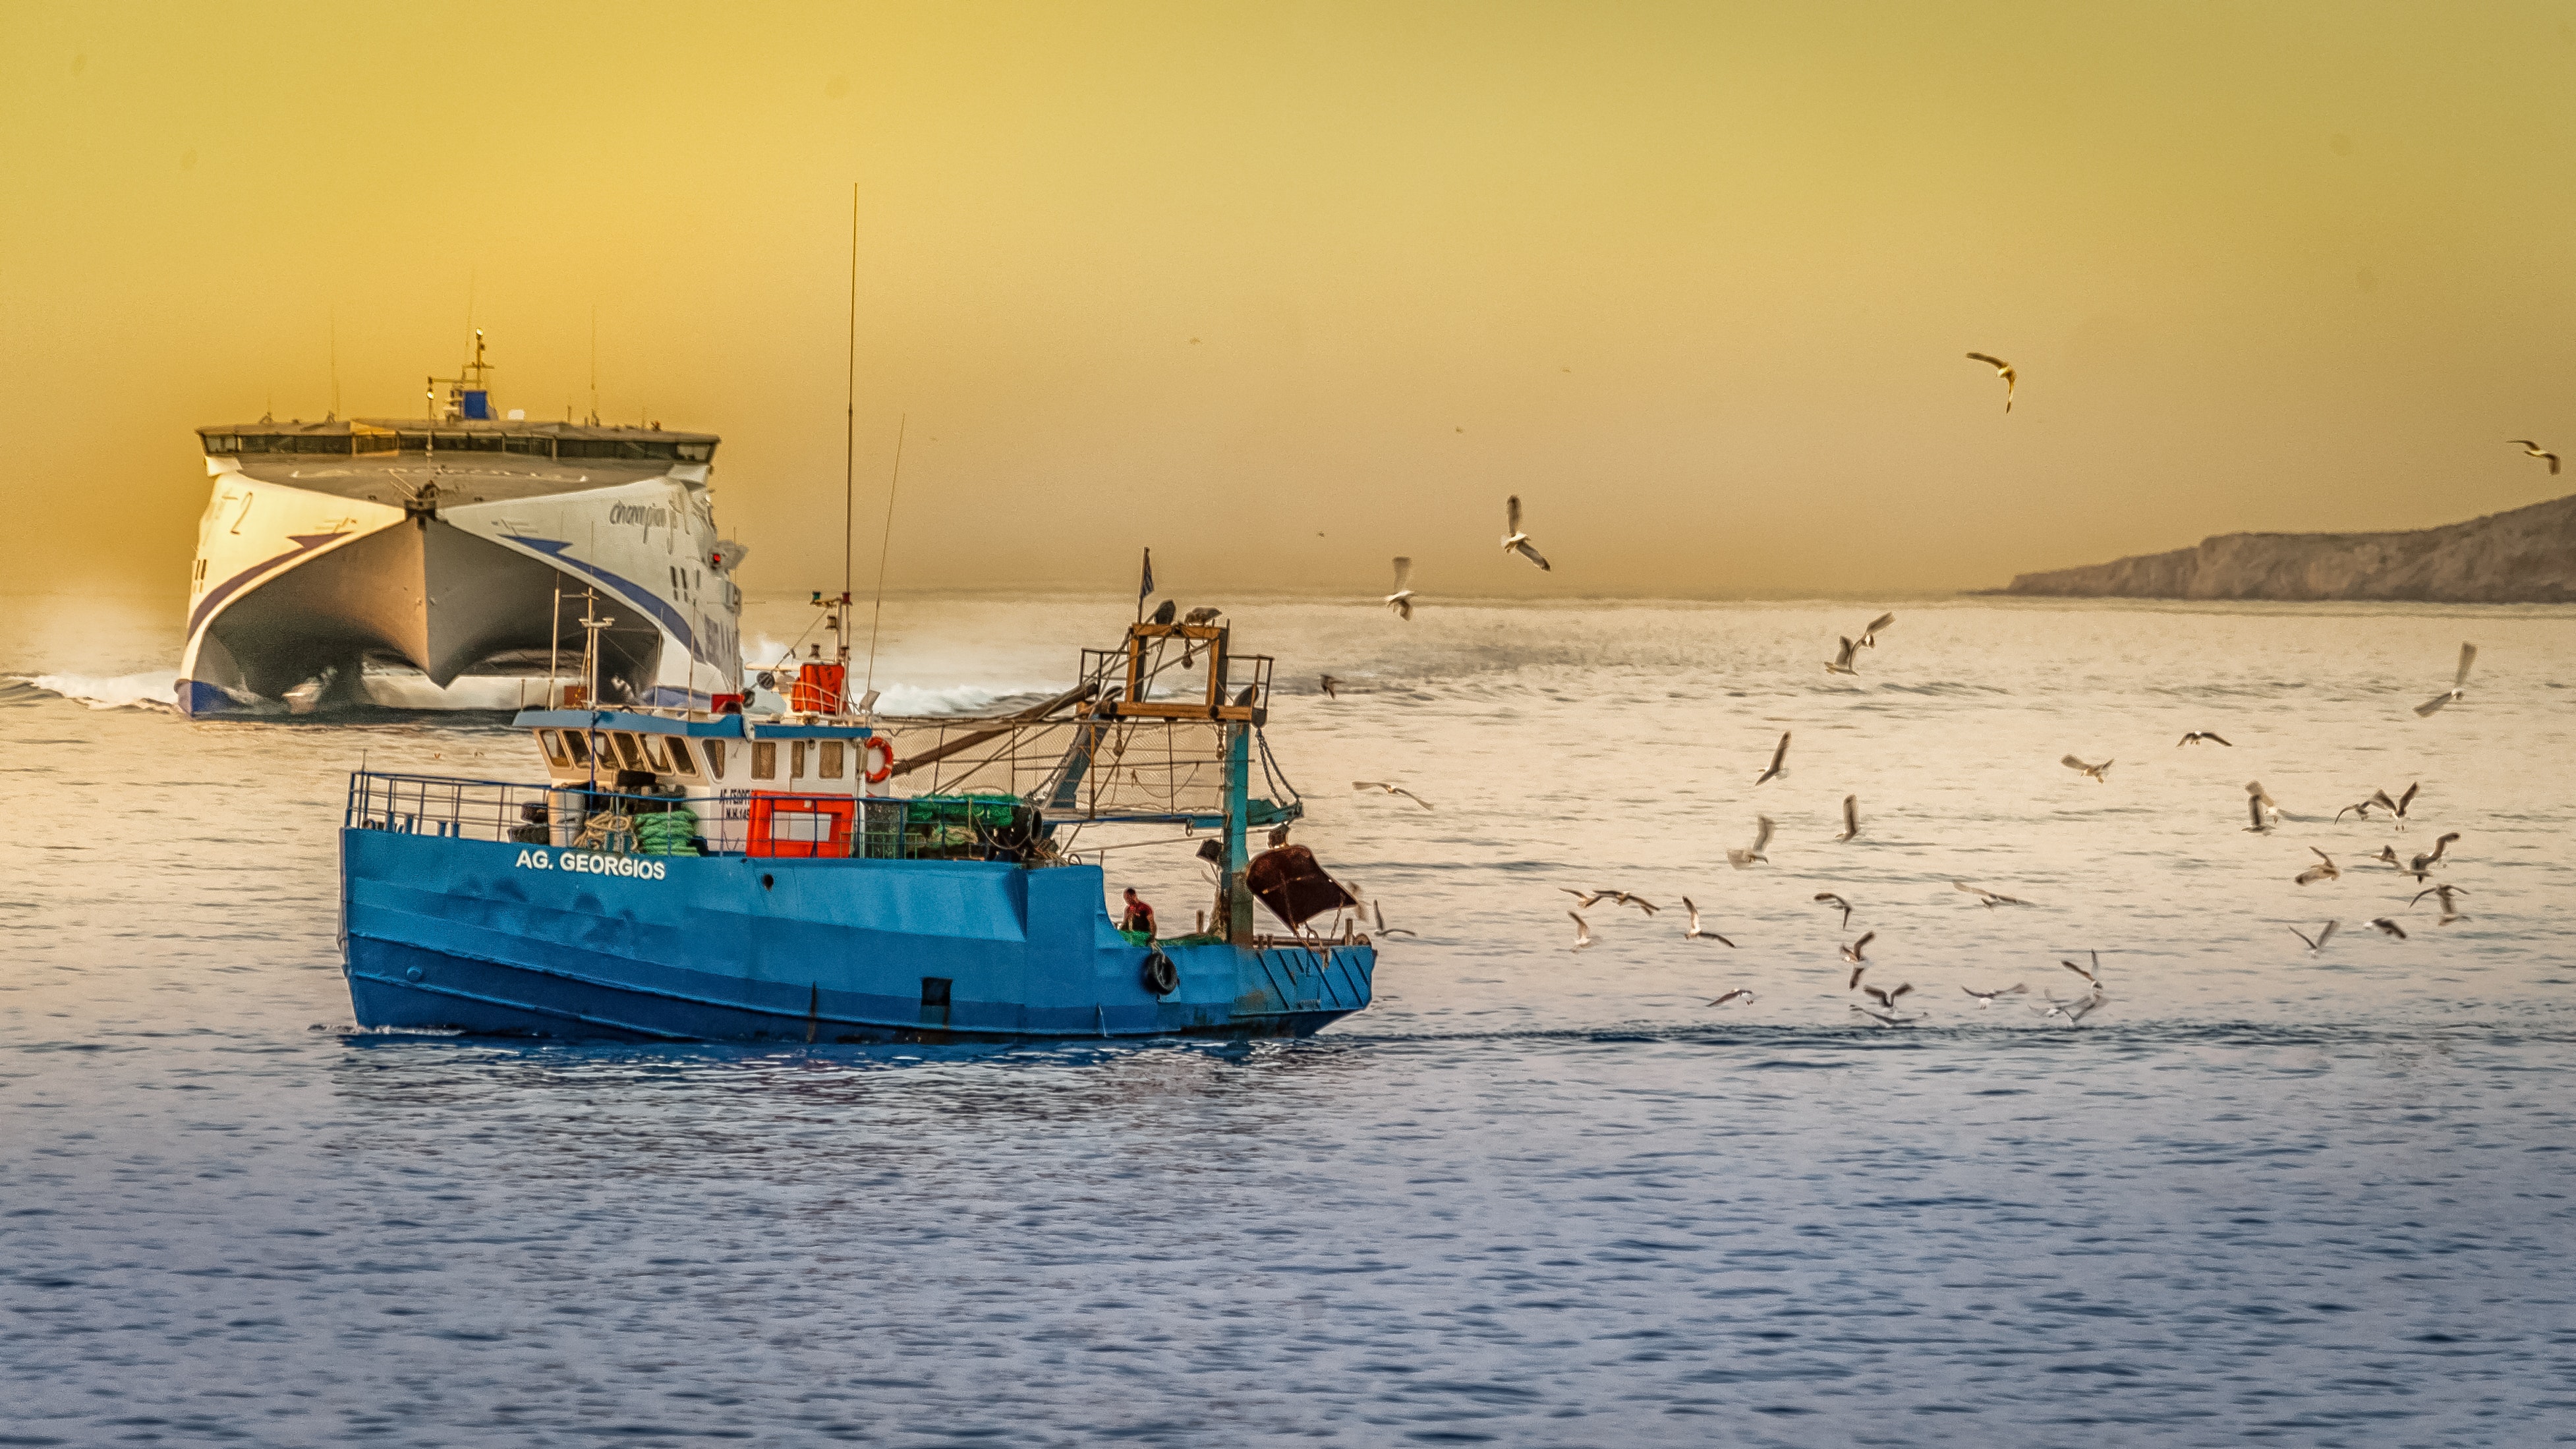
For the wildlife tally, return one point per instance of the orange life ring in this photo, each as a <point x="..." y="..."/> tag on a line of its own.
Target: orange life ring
<point x="879" y="742"/>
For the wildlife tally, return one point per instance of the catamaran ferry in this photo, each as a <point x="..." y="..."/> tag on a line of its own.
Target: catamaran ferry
<point x="439" y="543"/>
<point x="826" y="875"/>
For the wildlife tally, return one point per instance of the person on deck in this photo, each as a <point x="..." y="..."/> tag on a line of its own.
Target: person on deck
<point x="1139" y="916"/>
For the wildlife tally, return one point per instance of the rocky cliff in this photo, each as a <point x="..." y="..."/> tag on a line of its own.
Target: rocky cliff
<point x="2527" y="556"/>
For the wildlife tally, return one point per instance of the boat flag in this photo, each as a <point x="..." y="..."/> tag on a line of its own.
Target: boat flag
<point x="1145" y="589"/>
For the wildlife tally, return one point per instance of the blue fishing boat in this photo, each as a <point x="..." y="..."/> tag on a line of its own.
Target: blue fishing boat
<point x="821" y="874"/>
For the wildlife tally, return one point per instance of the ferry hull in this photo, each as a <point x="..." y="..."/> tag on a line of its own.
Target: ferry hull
<point x="456" y="934"/>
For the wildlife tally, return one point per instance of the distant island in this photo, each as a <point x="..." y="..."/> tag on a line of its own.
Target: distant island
<point x="2526" y="556"/>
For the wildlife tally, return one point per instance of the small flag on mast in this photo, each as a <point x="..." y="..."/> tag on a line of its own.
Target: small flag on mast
<point x="1145" y="590"/>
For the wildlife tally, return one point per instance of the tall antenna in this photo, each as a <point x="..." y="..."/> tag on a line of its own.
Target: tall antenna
<point x="594" y="364"/>
<point x="850" y="419"/>
<point x="335" y="361"/>
<point x="885" y="539"/>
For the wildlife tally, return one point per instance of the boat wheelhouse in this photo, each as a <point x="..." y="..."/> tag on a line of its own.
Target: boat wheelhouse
<point x="831" y="876"/>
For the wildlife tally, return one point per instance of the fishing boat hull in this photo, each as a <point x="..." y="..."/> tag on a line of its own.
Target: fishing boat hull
<point x="493" y="937"/>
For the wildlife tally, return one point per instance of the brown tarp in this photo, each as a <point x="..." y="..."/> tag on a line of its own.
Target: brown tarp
<point x="1293" y="886"/>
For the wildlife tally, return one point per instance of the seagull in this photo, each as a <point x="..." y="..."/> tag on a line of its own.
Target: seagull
<point x="1383" y="928"/>
<point x="1328" y="682"/>
<point x="2193" y="737"/>
<point x="2396" y="807"/>
<point x="1869" y="631"/>
<point x="1988" y="898"/>
<point x="2450" y="911"/>
<point x="1400" y="603"/>
<point x="1586" y="900"/>
<point x="1851" y="817"/>
<point x="1987" y="998"/>
<point x="1169" y="610"/>
<point x="2254" y="811"/>
<point x="2003" y="370"/>
<point x="2535" y="450"/>
<point x="2459" y="683"/>
<point x="1740" y="859"/>
<point x="1829" y="898"/>
<point x="2099" y="774"/>
<point x="1582" y="932"/>
<point x="2076" y="1011"/>
<point x="1852" y="953"/>
<point x="1779" y="761"/>
<point x="1692" y="932"/>
<point x="1515" y="541"/>
<point x="1391" y="790"/>
<point x="2263" y="797"/>
<point x="1842" y="663"/>
<point x="2361" y="808"/>
<point x="1623" y="898"/>
<point x="2324" y="869"/>
<point x="1738" y="994"/>
<point x="1886" y="999"/>
<point x="2092" y="975"/>
<point x="2317" y="942"/>
<point x="1203" y="614"/>
<point x="2431" y="858"/>
<point x="2388" y="856"/>
<point x="1878" y="1017"/>
<point x="2387" y="927"/>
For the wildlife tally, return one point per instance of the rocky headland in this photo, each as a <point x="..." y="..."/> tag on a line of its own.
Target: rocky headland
<point x="2525" y="556"/>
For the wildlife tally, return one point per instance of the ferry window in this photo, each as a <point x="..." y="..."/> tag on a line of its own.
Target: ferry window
<point x="552" y="742"/>
<point x="715" y="757"/>
<point x="222" y="443"/>
<point x="655" y="759"/>
<point x="832" y="752"/>
<point x="627" y="752"/>
<point x="797" y="752"/>
<point x="578" y="747"/>
<point x="764" y="760"/>
<point x="680" y="761"/>
<point x="695" y="452"/>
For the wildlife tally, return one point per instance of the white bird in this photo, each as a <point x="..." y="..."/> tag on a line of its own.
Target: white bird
<point x="2317" y="942"/>
<point x="2450" y="911"/>
<point x="1987" y="998"/>
<point x="1883" y="1018"/>
<point x="2094" y="975"/>
<point x="1740" y="859"/>
<point x="2099" y="774"/>
<point x="1738" y="994"/>
<point x="2396" y="807"/>
<point x="1842" y="662"/>
<point x="1582" y="931"/>
<point x="2003" y="370"/>
<point x="1852" y="953"/>
<point x="2324" y="869"/>
<point x="2193" y="737"/>
<point x="1623" y="898"/>
<point x="2537" y="451"/>
<point x="1829" y="898"/>
<point x="1987" y="898"/>
<point x="1869" y="631"/>
<point x="2388" y="856"/>
<point x="2076" y="1011"/>
<point x="1391" y="790"/>
<point x="1585" y="900"/>
<point x="1400" y="603"/>
<point x="1515" y="541"/>
<point x="2459" y="683"/>
<point x="2267" y="811"/>
<point x="1851" y="817"/>
<point x="2424" y="863"/>
<point x="1692" y="932"/>
<point x="2387" y="927"/>
<point x="1779" y="761"/>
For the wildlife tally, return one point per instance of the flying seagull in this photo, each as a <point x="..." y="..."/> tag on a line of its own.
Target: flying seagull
<point x="2003" y="370"/>
<point x="2535" y="450"/>
<point x="1829" y="898"/>
<point x="2423" y="863"/>
<point x="1692" y="932"/>
<point x="2093" y="975"/>
<point x="1623" y="898"/>
<point x="1842" y="661"/>
<point x="1738" y="994"/>
<point x="1852" y="953"/>
<point x="2459" y="683"/>
<point x="1586" y="900"/>
<point x="1400" y="603"/>
<point x="1383" y="929"/>
<point x="1779" y="761"/>
<point x="2193" y="737"/>
<point x="2396" y="807"/>
<point x="1582" y="931"/>
<point x="1391" y="790"/>
<point x="2267" y="811"/>
<point x="2388" y="856"/>
<point x="1987" y="998"/>
<point x="2450" y="910"/>
<point x="2324" y="869"/>
<point x="1515" y="541"/>
<point x="1879" y="1017"/>
<point x="2317" y="942"/>
<point x="1851" y="817"/>
<point x="1988" y="898"/>
<point x="1740" y="859"/>
<point x="2254" y="810"/>
<point x="1886" y="999"/>
<point x="1869" y="631"/>
<point x="2387" y="927"/>
<point x="2099" y="774"/>
<point x="1328" y="682"/>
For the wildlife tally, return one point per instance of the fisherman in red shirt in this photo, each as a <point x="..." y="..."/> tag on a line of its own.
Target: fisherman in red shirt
<point x="1139" y="917"/>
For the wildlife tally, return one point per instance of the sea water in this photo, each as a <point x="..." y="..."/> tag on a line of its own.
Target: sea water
<point x="1534" y="1196"/>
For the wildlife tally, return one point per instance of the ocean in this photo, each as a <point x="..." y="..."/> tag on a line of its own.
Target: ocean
<point x="1534" y="1196"/>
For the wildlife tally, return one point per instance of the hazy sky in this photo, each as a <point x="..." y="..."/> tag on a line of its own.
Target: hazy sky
<point x="1694" y="280"/>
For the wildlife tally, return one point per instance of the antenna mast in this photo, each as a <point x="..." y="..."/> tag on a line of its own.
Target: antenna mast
<point x="885" y="541"/>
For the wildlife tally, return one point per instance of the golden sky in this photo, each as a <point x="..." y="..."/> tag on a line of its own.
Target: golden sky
<point x="1285" y="289"/>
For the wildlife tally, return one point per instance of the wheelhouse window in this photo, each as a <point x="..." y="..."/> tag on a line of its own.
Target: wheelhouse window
<point x="764" y="760"/>
<point x="577" y="749"/>
<point x="695" y="452"/>
<point x="552" y="742"/>
<point x="681" y="764"/>
<point x="218" y="444"/>
<point x="715" y="757"/>
<point x="628" y="753"/>
<point x="656" y="759"/>
<point x="833" y="751"/>
<point x="798" y="751"/>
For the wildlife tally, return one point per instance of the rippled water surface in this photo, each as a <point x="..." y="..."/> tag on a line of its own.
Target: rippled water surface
<point x="1532" y="1197"/>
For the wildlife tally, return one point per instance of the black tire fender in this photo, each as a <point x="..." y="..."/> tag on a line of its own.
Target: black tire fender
<point x="1161" y="977"/>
